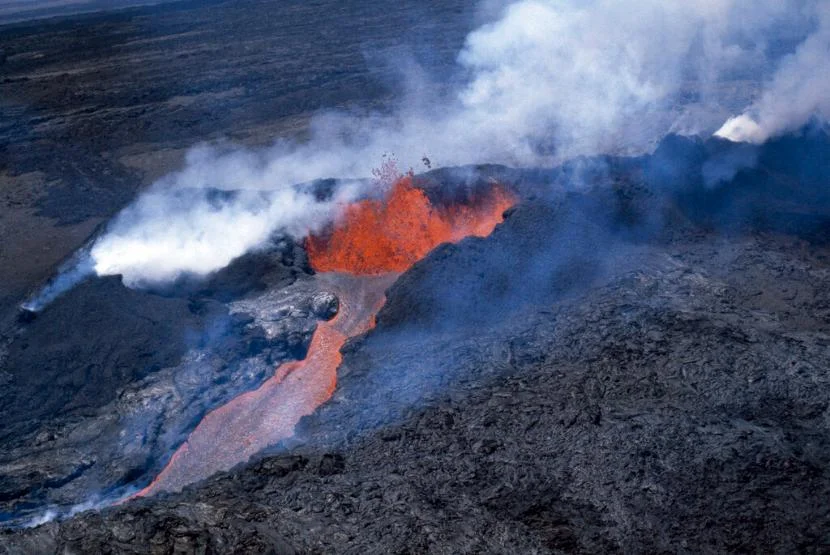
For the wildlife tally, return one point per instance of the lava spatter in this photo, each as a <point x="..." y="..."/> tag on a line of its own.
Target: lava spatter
<point x="390" y="235"/>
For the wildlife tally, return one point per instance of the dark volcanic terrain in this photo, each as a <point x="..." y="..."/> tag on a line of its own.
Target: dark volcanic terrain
<point x="655" y="382"/>
<point x="15" y="11"/>
<point x="634" y="361"/>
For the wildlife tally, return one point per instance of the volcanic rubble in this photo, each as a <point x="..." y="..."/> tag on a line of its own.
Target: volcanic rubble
<point x="634" y="361"/>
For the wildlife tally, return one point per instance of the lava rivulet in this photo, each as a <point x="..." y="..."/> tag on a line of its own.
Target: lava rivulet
<point x="362" y="256"/>
<point x="256" y="419"/>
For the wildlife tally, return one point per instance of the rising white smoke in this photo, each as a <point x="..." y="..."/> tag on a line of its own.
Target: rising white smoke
<point x="74" y="270"/>
<point x="167" y="233"/>
<point x="545" y="80"/>
<point x="798" y="92"/>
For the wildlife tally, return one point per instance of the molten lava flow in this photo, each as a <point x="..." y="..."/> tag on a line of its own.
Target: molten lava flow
<point x="254" y="420"/>
<point x="389" y="236"/>
<point x="364" y="253"/>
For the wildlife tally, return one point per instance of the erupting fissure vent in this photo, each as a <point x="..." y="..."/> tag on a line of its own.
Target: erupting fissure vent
<point x="361" y="256"/>
<point x="376" y="236"/>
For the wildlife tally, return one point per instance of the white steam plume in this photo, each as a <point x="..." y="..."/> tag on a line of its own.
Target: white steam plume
<point x="168" y="233"/>
<point x="73" y="271"/>
<point x="798" y="92"/>
<point x="544" y="81"/>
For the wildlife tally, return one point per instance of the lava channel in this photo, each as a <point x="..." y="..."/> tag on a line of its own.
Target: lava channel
<point x="364" y="253"/>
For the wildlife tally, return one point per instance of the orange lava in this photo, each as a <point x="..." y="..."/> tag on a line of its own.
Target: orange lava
<point x="254" y="420"/>
<point x="390" y="235"/>
<point x="364" y="253"/>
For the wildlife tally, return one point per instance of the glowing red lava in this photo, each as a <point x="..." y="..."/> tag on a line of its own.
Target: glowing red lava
<point x="364" y="253"/>
<point x="390" y="235"/>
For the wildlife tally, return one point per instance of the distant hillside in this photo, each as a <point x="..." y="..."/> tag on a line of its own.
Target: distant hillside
<point x="12" y="11"/>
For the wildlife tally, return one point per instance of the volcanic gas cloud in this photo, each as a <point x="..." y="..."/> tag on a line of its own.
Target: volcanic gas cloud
<point x="359" y="257"/>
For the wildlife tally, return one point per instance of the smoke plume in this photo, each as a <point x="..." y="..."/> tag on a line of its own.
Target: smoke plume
<point x="170" y="232"/>
<point x="542" y="81"/>
<point x="70" y="273"/>
<point x="797" y="93"/>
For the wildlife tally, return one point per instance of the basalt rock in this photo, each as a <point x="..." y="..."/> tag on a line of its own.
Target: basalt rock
<point x="325" y="305"/>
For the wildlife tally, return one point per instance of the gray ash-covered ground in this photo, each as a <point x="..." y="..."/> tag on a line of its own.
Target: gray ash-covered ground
<point x="656" y="383"/>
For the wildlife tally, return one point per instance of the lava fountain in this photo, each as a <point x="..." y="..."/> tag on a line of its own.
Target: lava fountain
<point x="358" y="259"/>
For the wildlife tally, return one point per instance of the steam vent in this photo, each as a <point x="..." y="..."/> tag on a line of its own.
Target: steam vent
<point x="531" y="277"/>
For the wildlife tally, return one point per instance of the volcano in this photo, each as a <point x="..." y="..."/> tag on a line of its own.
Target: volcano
<point x="655" y="343"/>
<point x="362" y="255"/>
<point x="562" y="328"/>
